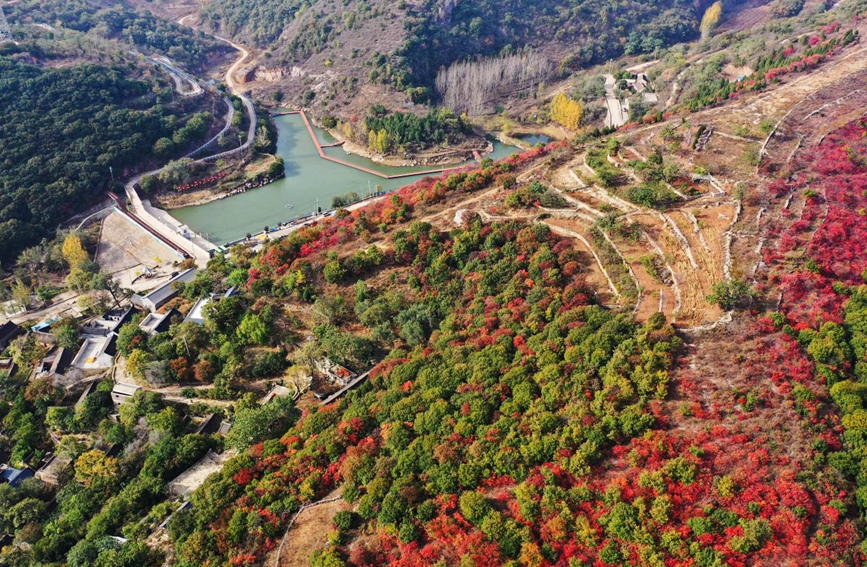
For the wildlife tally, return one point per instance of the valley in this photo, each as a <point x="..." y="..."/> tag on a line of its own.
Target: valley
<point x="428" y="283"/>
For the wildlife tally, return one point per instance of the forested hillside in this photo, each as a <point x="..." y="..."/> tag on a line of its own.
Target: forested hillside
<point x="257" y="21"/>
<point x="63" y="128"/>
<point x="487" y="404"/>
<point x="590" y="31"/>
<point x="405" y="44"/>
<point x="139" y="28"/>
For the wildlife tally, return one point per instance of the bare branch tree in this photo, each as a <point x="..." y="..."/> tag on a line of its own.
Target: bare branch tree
<point x="472" y="86"/>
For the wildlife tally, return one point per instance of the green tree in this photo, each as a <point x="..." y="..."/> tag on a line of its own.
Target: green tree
<point x="66" y="333"/>
<point x="252" y="425"/>
<point x="334" y="271"/>
<point x="167" y="421"/>
<point x="130" y="337"/>
<point x="254" y="330"/>
<point x="756" y="534"/>
<point x="728" y="295"/>
<point x="474" y="506"/>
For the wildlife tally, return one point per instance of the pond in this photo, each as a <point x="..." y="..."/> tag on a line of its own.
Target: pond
<point x="310" y="181"/>
<point x="533" y="139"/>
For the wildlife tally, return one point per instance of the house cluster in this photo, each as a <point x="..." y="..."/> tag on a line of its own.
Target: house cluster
<point x="94" y="357"/>
<point x="640" y="84"/>
<point x="70" y="368"/>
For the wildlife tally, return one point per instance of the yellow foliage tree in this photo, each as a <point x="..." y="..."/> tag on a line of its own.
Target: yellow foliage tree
<point x="531" y="555"/>
<point x="710" y="19"/>
<point x="73" y="251"/>
<point x="94" y="467"/>
<point x="566" y="111"/>
<point x="378" y="141"/>
<point x="382" y="141"/>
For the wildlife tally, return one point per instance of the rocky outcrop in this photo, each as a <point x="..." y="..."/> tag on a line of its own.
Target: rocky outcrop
<point x="260" y="73"/>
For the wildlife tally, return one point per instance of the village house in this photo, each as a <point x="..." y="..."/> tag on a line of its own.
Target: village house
<point x="13" y="476"/>
<point x="52" y="470"/>
<point x="92" y="357"/>
<point x="197" y="312"/>
<point x="54" y="365"/>
<point x="158" y="322"/>
<point x="154" y="300"/>
<point x="8" y="332"/>
<point x="334" y="372"/>
<point x="122" y="393"/>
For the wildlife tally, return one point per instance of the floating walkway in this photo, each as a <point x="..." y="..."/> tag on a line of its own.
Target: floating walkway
<point x="323" y="155"/>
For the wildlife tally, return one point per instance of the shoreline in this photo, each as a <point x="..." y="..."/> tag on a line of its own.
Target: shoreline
<point x="204" y="196"/>
<point x="458" y="155"/>
<point x="198" y="197"/>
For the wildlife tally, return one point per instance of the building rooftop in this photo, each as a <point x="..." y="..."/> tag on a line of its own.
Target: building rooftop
<point x="46" y="324"/>
<point x="50" y="471"/>
<point x="122" y="393"/>
<point x="276" y="392"/>
<point x="87" y="391"/>
<point x="57" y="361"/>
<point x="125" y="389"/>
<point x="157" y="322"/>
<point x="15" y="476"/>
<point x="197" y="314"/>
<point x="334" y="371"/>
<point x="109" y="323"/>
<point x="92" y="355"/>
<point x="163" y="293"/>
<point x="8" y="331"/>
<point x="210" y="425"/>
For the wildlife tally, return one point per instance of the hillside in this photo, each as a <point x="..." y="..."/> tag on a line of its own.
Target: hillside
<point x="534" y="405"/>
<point x="138" y="28"/>
<point x="642" y="345"/>
<point x="338" y="51"/>
<point x="82" y="108"/>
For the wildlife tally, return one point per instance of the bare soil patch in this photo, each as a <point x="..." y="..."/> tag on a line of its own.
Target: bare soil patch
<point x="310" y="533"/>
<point x="733" y="73"/>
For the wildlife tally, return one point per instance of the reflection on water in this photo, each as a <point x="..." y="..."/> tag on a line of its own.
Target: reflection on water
<point x="309" y="180"/>
<point x="534" y="139"/>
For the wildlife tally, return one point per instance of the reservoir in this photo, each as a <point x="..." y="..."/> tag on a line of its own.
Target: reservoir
<point x="308" y="178"/>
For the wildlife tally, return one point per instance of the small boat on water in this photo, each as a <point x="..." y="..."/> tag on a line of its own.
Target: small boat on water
<point x="289" y="206"/>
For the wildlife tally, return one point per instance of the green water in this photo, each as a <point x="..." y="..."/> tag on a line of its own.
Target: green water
<point x="534" y="139"/>
<point x="308" y="178"/>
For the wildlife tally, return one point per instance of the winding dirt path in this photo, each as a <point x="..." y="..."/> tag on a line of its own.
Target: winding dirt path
<point x="196" y="246"/>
